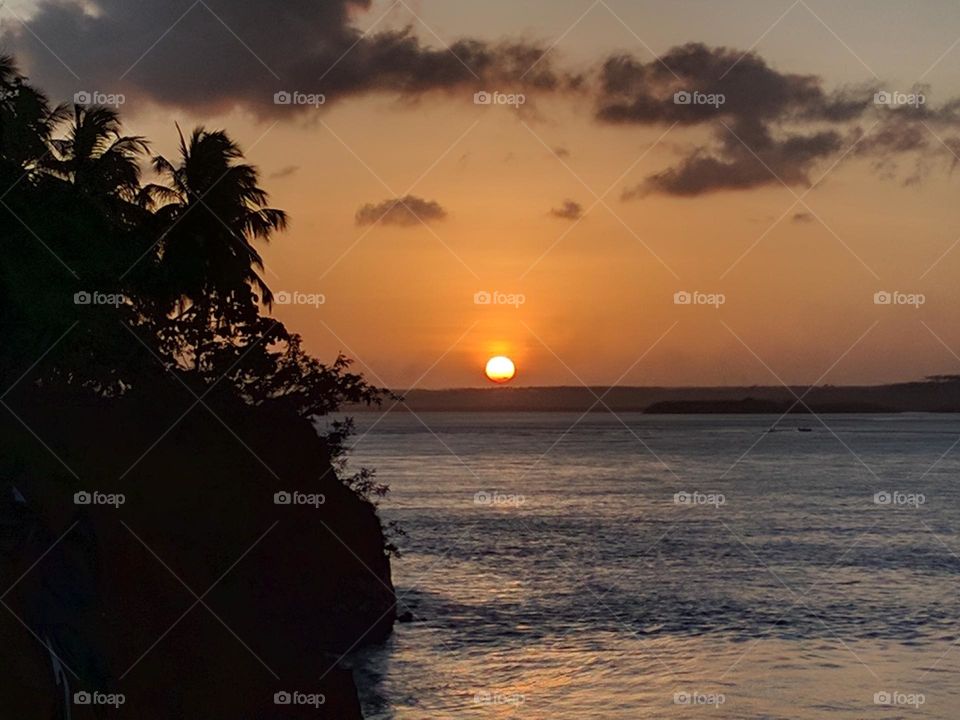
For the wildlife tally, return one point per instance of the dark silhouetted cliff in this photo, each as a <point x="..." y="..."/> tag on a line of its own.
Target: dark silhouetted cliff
<point x="286" y="590"/>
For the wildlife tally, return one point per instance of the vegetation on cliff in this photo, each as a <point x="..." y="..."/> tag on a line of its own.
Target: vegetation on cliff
<point x="138" y="360"/>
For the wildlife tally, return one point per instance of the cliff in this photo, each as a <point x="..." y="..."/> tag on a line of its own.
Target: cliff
<point x="197" y="596"/>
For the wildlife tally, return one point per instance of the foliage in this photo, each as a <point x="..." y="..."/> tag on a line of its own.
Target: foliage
<point x="115" y="282"/>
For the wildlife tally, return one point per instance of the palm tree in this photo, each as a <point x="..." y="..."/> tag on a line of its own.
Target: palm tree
<point x="27" y="121"/>
<point x="216" y="212"/>
<point x="97" y="158"/>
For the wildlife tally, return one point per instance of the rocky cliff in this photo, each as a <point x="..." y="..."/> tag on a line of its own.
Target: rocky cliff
<point x="202" y="564"/>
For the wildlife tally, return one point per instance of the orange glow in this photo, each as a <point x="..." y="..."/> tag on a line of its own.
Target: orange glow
<point x="500" y="369"/>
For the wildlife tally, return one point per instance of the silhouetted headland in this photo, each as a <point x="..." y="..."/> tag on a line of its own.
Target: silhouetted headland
<point x="934" y="394"/>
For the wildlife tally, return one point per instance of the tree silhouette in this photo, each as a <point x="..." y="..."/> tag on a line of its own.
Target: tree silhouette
<point x="100" y="161"/>
<point x="215" y="211"/>
<point x="177" y="256"/>
<point x="27" y="122"/>
<point x="118" y="301"/>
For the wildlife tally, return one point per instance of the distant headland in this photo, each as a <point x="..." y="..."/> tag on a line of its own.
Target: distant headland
<point x="939" y="393"/>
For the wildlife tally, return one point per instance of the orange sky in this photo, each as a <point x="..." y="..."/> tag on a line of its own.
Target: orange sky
<point x="598" y="298"/>
<point x="598" y="295"/>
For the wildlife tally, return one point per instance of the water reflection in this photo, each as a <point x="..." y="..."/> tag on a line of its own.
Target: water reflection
<point x="601" y="596"/>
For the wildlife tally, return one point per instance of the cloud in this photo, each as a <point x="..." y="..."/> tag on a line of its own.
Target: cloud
<point x="220" y="54"/>
<point x="287" y="171"/>
<point x="401" y="212"/>
<point x="747" y="156"/>
<point x="632" y="91"/>
<point x="570" y="210"/>
<point x="919" y="137"/>
<point x="768" y="127"/>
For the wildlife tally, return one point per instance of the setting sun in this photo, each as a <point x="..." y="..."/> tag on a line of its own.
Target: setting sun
<point x="500" y="369"/>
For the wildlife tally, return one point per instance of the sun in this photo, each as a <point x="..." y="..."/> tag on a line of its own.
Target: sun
<point x="500" y="369"/>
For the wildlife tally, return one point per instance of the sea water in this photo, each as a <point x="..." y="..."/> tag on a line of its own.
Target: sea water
<point x="638" y="566"/>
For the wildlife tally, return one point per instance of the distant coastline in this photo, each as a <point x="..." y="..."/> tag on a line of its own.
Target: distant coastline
<point x="939" y="394"/>
<point x="753" y="406"/>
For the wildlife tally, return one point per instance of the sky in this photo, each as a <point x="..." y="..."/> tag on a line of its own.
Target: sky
<point x="592" y="210"/>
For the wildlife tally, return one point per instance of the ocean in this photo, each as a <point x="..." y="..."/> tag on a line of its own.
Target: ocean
<point x="640" y="566"/>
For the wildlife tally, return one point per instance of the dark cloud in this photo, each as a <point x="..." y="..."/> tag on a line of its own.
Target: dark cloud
<point x="222" y="53"/>
<point x="570" y="210"/>
<point x="217" y="55"/>
<point x="765" y="122"/>
<point x="769" y="127"/>
<point x="746" y="155"/>
<point x="918" y="136"/>
<point x="284" y="172"/>
<point x="894" y="135"/>
<point x="402" y="212"/>
<point x="632" y="91"/>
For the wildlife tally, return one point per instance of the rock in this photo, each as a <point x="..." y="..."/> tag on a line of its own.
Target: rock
<point x="198" y="597"/>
